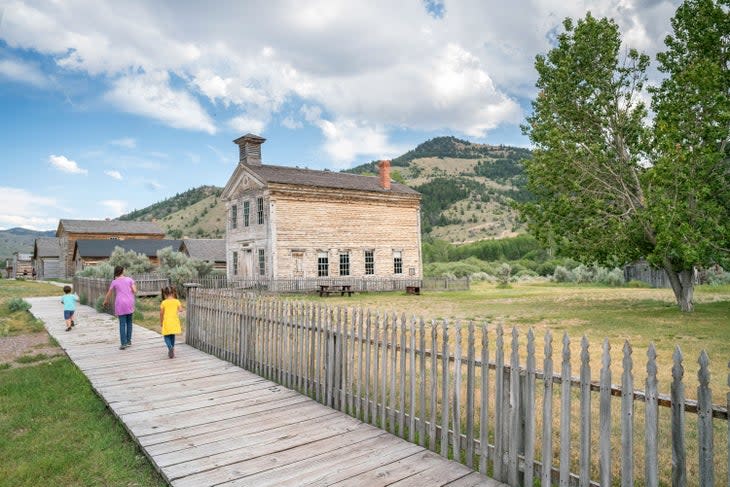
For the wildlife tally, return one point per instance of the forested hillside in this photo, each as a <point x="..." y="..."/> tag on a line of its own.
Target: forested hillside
<point x="19" y="240"/>
<point x="468" y="190"/>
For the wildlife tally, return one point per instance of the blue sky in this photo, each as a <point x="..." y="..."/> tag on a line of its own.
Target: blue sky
<point x="112" y="106"/>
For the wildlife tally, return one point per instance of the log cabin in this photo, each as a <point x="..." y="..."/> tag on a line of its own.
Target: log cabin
<point x="69" y="231"/>
<point x="290" y="223"/>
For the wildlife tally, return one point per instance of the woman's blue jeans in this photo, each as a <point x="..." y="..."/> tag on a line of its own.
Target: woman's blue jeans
<point x="125" y="329"/>
<point x="170" y="341"/>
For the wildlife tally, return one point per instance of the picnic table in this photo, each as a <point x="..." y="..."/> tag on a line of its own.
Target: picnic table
<point x="326" y="289"/>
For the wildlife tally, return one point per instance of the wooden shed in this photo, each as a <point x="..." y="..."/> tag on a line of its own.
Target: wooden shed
<point x="211" y="250"/>
<point x="93" y="252"/>
<point x="287" y="222"/>
<point x="22" y="265"/>
<point x="47" y="257"/>
<point x="69" y="231"/>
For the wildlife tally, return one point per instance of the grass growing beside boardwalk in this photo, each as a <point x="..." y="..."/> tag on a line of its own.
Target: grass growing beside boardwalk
<point x="56" y="431"/>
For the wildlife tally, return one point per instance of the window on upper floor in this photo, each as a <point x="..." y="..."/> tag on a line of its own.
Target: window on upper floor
<point x="246" y="212"/>
<point x="260" y="210"/>
<point x="234" y="216"/>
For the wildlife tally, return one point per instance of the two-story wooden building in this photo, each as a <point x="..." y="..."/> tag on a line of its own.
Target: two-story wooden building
<point x="286" y="222"/>
<point x="69" y="231"/>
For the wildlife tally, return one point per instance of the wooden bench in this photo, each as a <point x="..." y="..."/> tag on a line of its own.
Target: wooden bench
<point x="413" y="290"/>
<point x="346" y="289"/>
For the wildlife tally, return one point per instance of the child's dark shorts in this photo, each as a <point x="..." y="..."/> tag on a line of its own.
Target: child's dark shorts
<point x="67" y="314"/>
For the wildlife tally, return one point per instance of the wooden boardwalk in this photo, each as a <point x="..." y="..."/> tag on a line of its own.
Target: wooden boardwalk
<point x="202" y="421"/>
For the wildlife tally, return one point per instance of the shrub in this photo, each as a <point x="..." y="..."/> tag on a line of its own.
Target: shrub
<point x="99" y="305"/>
<point x="482" y="276"/>
<point x="718" y="278"/>
<point x="582" y="274"/>
<point x="562" y="274"/>
<point x="636" y="283"/>
<point x="18" y="304"/>
<point x="504" y="276"/>
<point x="614" y="277"/>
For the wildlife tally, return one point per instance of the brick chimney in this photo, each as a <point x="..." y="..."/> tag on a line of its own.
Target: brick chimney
<point x="384" y="169"/>
<point x="249" y="149"/>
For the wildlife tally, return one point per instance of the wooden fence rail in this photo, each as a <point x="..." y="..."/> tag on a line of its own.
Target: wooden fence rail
<point x="461" y="391"/>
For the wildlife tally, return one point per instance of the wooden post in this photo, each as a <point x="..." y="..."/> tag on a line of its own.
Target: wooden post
<point x="651" y="477"/>
<point x="457" y="395"/>
<point x="604" y="439"/>
<point x="704" y="423"/>
<point x="484" y="411"/>
<point x="445" y="410"/>
<point x="499" y="419"/>
<point x="547" y="414"/>
<point x="529" y="473"/>
<point x="514" y="411"/>
<point x="679" y="469"/>
<point x="422" y="383"/>
<point x="434" y="385"/>
<point x="627" y="419"/>
<point x="470" y="397"/>
<point x="565" y="414"/>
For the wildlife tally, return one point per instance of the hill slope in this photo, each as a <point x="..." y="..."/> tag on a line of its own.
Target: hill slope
<point x="467" y="193"/>
<point x="19" y="240"/>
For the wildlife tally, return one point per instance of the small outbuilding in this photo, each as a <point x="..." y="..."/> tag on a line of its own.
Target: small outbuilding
<point x="46" y="257"/>
<point x="211" y="250"/>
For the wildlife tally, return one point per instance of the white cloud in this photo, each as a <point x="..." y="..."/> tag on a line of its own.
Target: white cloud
<point x="21" y="208"/>
<point x="126" y="142"/>
<point x="461" y="71"/>
<point x="117" y="207"/>
<point x="291" y="123"/>
<point x="152" y="96"/>
<point x="153" y="185"/>
<point x="66" y="165"/>
<point x="23" y="72"/>
<point x="114" y="174"/>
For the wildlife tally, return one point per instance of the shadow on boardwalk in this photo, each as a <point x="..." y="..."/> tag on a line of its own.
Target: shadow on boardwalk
<point x="202" y="421"/>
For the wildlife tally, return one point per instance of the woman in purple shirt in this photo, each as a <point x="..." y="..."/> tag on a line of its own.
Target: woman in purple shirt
<point x="124" y="289"/>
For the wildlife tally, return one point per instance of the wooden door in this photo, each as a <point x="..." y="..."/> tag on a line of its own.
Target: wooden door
<point x="297" y="264"/>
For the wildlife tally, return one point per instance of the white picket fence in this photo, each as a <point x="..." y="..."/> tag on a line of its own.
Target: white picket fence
<point x="460" y="390"/>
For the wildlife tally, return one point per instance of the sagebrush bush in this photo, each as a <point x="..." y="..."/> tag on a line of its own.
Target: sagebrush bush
<point x="18" y="304"/>
<point x="562" y="274"/>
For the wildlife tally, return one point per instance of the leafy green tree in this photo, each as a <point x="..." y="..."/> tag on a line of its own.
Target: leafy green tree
<point x="688" y="187"/>
<point x="603" y="191"/>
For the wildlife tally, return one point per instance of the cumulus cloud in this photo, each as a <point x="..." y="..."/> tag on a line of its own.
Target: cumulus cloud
<point x="462" y="67"/>
<point x="116" y="207"/>
<point x="152" y="96"/>
<point x="114" y="175"/>
<point x="21" y="208"/>
<point x="24" y="72"/>
<point x="126" y="142"/>
<point x="66" y="165"/>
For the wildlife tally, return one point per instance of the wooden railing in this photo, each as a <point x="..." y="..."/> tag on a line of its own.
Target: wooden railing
<point x="461" y="391"/>
<point x="356" y="284"/>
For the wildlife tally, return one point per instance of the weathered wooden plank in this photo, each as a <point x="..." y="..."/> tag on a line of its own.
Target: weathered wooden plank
<point x="627" y="419"/>
<point x="704" y="424"/>
<point x="412" y="383"/>
<point x="484" y="403"/>
<point x="457" y="447"/>
<point x="679" y="469"/>
<point x="422" y="383"/>
<point x="530" y="390"/>
<point x="514" y="411"/>
<point x="470" y="396"/>
<point x="585" y="414"/>
<point x="402" y="379"/>
<point x="434" y="386"/>
<point x="499" y="413"/>
<point x="651" y="477"/>
<point x="547" y="413"/>
<point x="604" y="421"/>
<point x="445" y="409"/>
<point x="565" y="414"/>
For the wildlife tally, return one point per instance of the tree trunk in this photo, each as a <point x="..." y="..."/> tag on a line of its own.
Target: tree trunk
<point x="683" y="287"/>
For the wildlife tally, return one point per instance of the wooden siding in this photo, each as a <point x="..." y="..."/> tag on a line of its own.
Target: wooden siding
<point x="308" y="221"/>
<point x="68" y="242"/>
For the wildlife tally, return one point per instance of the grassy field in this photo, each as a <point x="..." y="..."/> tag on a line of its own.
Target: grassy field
<point x="639" y="315"/>
<point x="55" y="430"/>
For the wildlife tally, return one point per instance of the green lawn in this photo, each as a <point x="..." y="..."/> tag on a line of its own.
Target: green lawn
<point x="54" y="430"/>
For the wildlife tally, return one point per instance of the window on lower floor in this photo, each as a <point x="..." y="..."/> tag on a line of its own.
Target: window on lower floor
<point x="397" y="262"/>
<point x="369" y="262"/>
<point x="234" y="264"/>
<point x="323" y="264"/>
<point x="345" y="264"/>
<point x="262" y="262"/>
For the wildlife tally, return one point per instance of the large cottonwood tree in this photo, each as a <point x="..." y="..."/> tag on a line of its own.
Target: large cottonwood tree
<point x="609" y="186"/>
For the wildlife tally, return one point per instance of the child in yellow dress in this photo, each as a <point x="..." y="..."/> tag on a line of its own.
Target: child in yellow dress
<point x="170" y="308"/>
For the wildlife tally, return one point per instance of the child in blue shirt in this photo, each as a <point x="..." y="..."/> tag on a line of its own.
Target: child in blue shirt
<point x="69" y="306"/>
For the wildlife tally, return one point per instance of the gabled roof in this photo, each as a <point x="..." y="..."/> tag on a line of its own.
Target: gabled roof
<point x="323" y="179"/>
<point x="207" y="249"/>
<point x="110" y="226"/>
<point x="47" y="247"/>
<point x="104" y="248"/>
